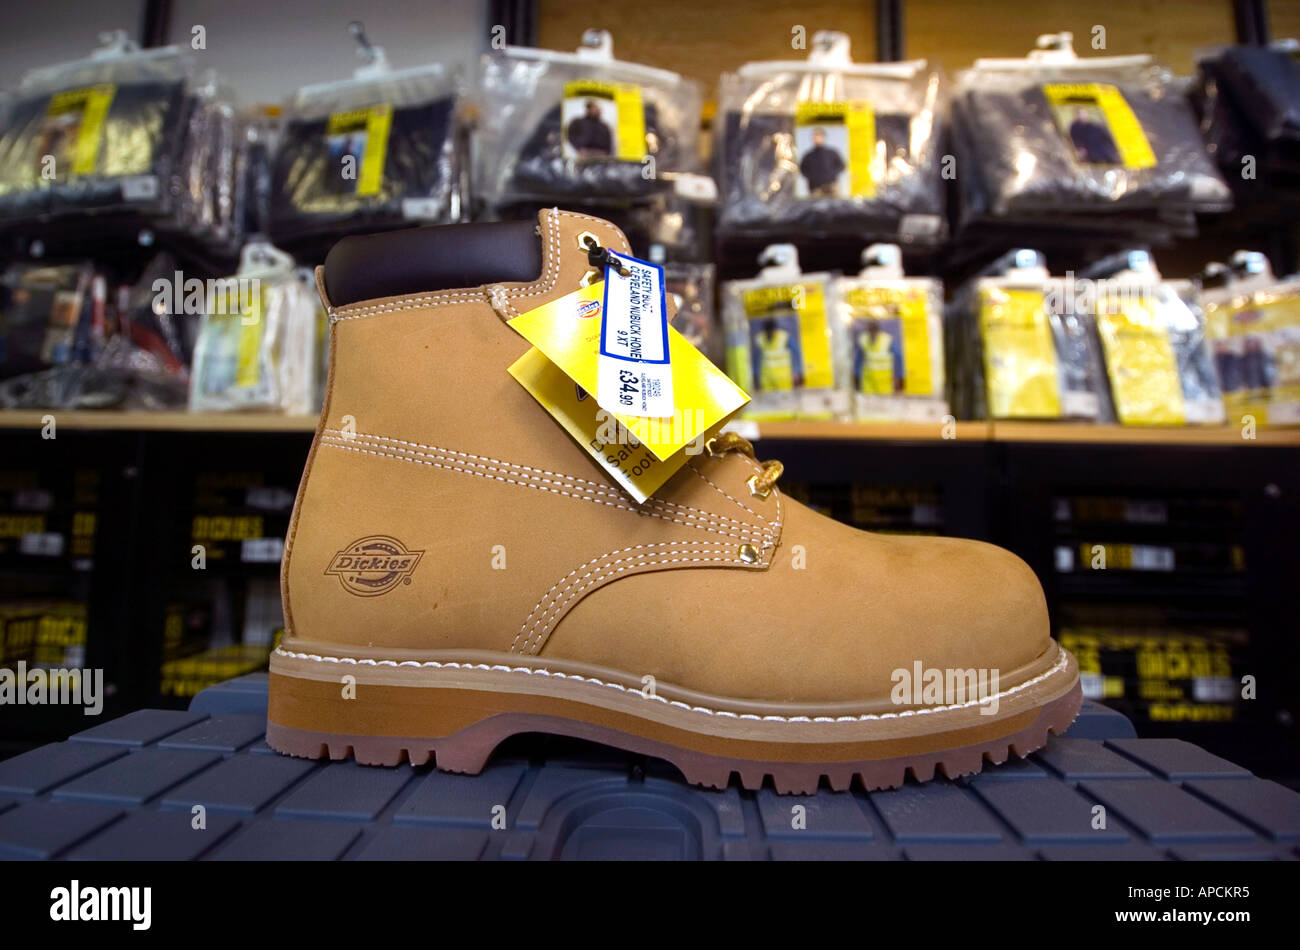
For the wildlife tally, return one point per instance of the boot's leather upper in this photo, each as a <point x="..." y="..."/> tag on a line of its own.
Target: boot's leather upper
<point x="525" y="547"/>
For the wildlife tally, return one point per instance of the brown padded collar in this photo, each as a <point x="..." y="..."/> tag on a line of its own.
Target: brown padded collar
<point x="427" y="260"/>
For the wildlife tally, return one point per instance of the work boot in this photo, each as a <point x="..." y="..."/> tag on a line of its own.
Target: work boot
<point x="458" y="569"/>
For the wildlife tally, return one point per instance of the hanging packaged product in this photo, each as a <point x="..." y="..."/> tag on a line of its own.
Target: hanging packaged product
<point x="1019" y="350"/>
<point x="1254" y="323"/>
<point x="691" y="288"/>
<point x="46" y="318"/>
<point x="1054" y="135"/>
<point x="1248" y="99"/>
<point x="608" y="365"/>
<point x="1154" y="344"/>
<point x="100" y="134"/>
<point x="206" y="185"/>
<point x="68" y="341"/>
<point x="894" y="327"/>
<point x="832" y="146"/>
<point x="581" y="126"/>
<point x="384" y="149"/>
<point x="256" y="346"/>
<point x="784" y="346"/>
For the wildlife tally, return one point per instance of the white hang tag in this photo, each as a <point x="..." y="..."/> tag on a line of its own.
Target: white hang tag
<point x="635" y="375"/>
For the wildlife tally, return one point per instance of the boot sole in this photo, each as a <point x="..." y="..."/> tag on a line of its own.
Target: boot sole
<point x="454" y="712"/>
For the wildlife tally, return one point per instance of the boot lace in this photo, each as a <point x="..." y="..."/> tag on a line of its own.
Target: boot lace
<point x="760" y="483"/>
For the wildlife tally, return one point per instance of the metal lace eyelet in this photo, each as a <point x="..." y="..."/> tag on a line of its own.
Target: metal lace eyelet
<point x="588" y="241"/>
<point x="748" y="553"/>
<point x="710" y="446"/>
<point x="754" y="490"/>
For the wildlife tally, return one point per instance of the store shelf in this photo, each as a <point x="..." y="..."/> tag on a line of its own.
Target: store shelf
<point x="159" y="421"/>
<point x="871" y="431"/>
<point x="1127" y="435"/>
<point x="1045" y="432"/>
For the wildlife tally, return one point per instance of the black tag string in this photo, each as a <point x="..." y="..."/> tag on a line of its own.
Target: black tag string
<point x="600" y="257"/>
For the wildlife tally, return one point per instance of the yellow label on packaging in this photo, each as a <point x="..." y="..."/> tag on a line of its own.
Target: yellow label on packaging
<point x="87" y="108"/>
<point x="627" y="461"/>
<point x="891" y="310"/>
<point x="630" y="125"/>
<point x="1089" y="113"/>
<point x="796" y="348"/>
<point x="1020" y="368"/>
<point x="1141" y="364"/>
<point x="858" y="120"/>
<point x="365" y="131"/>
<point x="239" y="320"/>
<point x="251" y="327"/>
<point x="567" y="331"/>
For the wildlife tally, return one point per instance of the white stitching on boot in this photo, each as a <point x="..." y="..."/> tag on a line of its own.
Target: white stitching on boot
<point x="572" y="481"/>
<point x="546" y="621"/>
<point x="1060" y="664"/>
<point x="754" y="534"/>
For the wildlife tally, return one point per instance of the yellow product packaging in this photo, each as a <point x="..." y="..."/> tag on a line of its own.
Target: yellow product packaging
<point x="836" y="142"/>
<point x="602" y="120"/>
<point x="1256" y="341"/>
<point x="1099" y="124"/>
<point x="784" y="346"/>
<point x="895" y="343"/>
<point x="1021" y="376"/>
<point x="362" y="132"/>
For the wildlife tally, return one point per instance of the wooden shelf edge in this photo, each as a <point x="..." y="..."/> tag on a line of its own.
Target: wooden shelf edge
<point x="107" y="420"/>
<point x="1067" y="432"/>
<point x="794" y="430"/>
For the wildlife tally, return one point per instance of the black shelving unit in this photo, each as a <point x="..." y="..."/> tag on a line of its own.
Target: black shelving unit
<point x="1006" y="492"/>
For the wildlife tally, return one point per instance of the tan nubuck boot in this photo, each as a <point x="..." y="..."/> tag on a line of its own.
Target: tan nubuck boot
<point x="459" y="570"/>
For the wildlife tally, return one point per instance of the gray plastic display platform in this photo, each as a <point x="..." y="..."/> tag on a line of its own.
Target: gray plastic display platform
<point x="137" y="787"/>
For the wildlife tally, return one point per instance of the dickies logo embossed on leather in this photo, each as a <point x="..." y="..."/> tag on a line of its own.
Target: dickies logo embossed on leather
<point x="374" y="565"/>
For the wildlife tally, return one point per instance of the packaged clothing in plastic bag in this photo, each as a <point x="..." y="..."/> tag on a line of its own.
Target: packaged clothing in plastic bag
<point x="784" y="346"/>
<point x="100" y="134"/>
<point x="1154" y="344"/>
<point x="1019" y="351"/>
<point x="1265" y="83"/>
<point x="554" y="126"/>
<point x="257" y="345"/>
<point x="894" y="327"/>
<point x="206" y="187"/>
<point x="383" y="149"/>
<point x="832" y="146"/>
<point x="1254" y="322"/>
<point x="44" y="312"/>
<point x="691" y="287"/>
<point x="1248" y="98"/>
<point x="1054" y="133"/>
<point x="121" y="348"/>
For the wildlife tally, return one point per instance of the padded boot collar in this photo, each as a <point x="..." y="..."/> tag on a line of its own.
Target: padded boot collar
<point x="426" y="260"/>
<point x="554" y="263"/>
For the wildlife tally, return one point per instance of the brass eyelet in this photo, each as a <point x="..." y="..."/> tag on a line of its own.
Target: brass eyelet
<point x="710" y="446"/>
<point x="748" y="553"/>
<point x="754" y="490"/>
<point x="588" y="241"/>
<point x="591" y="277"/>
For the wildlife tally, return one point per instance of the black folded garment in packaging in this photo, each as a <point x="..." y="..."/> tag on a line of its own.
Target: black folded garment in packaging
<point x="1026" y="163"/>
<point x="139" y="141"/>
<point x="543" y="172"/>
<point x="311" y="196"/>
<point x="759" y="175"/>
